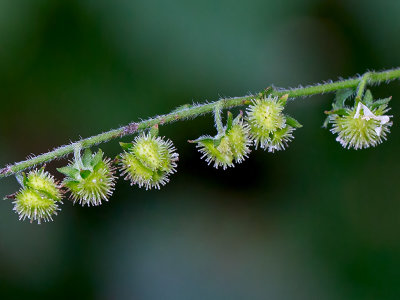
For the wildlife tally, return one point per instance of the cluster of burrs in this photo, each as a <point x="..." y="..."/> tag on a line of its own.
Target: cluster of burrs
<point x="90" y="178"/>
<point x="265" y="126"/>
<point x="149" y="160"/>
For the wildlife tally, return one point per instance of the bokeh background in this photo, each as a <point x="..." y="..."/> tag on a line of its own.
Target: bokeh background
<point x="313" y="222"/>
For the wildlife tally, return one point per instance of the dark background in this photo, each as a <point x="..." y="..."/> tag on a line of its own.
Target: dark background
<point x="313" y="222"/>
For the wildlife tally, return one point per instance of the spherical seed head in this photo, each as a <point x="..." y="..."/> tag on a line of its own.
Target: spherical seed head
<point x="149" y="162"/>
<point x="92" y="186"/>
<point x="280" y="139"/>
<point x="90" y="179"/>
<point x="239" y="141"/>
<point x="264" y="117"/>
<point x="360" y="127"/>
<point x="35" y="205"/>
<point x="42" y="181"/>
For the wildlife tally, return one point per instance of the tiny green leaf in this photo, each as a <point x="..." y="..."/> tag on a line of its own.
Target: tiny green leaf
<point x="368" y="99"/>
<point x="97" y="158"/>
<point x="69" y="171"/>
<point x="238" y="118"/>
<point x="326" y="122"/>
<point x="229" y="122"/>
<point x="86" y="158"/>
<point x="380" y="102"/>
<point x="283" y="99"/>
<point x="126" y="146"/>
<point x="24" y="178"/>
<point x="85" y="173"/>
<point x="293" y="122"/>
<point x="217" y="141"/>
<point x="341" y="97"/>
<point x="202" y="139"/>
<point x="340" y="112"/>
<point x="70" y="182"/>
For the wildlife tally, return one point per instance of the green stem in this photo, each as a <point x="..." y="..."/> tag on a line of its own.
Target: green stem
<point x="361" y="86"/>
<point x="77" y="156"/>
<point x="193" y="111"/>
<point x="218" y="117"/>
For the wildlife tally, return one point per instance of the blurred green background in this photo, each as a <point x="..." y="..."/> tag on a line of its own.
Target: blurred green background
<point x="313" y="222"/>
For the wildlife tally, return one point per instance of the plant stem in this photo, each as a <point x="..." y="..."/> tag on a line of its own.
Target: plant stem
<point x="218" y="117"/>
<point x="361" y="86"/>
<point x="77" y="156"/>
<point x="193" y="111"/>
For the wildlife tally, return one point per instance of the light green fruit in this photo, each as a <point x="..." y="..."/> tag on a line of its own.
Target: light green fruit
<point x="359" y="131"/>
<point x="38" y="199"/>
<point x="225" y="149"/>
<point x="264" y="117"/>
<point x="90" y="181"/>
<point x="148" y="161"/>
<point x="34" y="205"/>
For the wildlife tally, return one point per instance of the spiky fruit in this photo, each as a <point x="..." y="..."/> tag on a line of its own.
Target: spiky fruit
<point x="269" y="127"/>
<point x="148" y="161"/>
<point x="39" y="197"/>
<point x="361" y="127"/>
<point x="232" y="145"/>
<point x="90" y="179"/>
<point x="239" y="141"/>
<point x="216" y="150"/>
<point x="264" y="117"/>
<point x="280" y="139"/>
<point x="35" y="206"/>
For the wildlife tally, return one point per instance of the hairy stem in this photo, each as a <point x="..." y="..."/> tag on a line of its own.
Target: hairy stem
<point x="218" y="117"/>
<point x="77" y="156"/>
<point x="361" y="86"/>
<point x="193" y="111"/>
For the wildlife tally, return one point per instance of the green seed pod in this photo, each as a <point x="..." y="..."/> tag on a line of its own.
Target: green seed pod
<point x="38" y="198"/>
<point x="362" y="126"/>
<point x="269" y="128"/>
<point x="148" y="161"/>
<point x="90" y="179"/>
<point x="264" y="117"/>
<point x="232" y="145"/>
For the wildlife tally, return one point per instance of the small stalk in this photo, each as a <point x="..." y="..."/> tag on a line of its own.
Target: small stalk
<point x="218" y="117"/>
<point x="361" y="87"/>
<point x="77" y="156"/>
